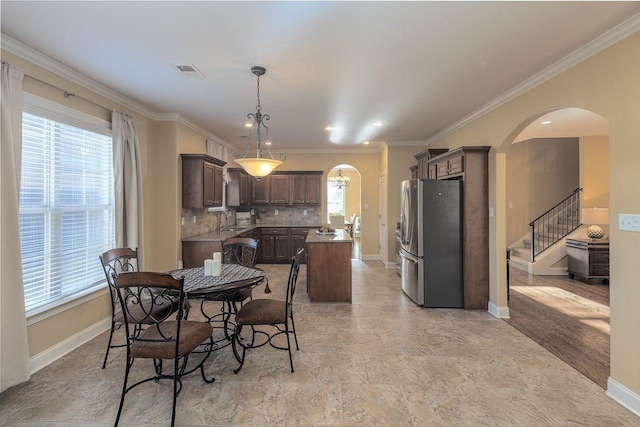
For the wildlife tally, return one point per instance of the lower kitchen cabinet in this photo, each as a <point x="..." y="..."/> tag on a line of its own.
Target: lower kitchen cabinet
<point x="274" y="245"/>
<point x="297" y="240"/>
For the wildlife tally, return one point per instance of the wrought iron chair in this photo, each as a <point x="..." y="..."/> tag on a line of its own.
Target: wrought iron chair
<point x="139" y="293"/>
<point x="114" y="262"/>
<point x="236" y="250"/>
<point x="259" y="312"/>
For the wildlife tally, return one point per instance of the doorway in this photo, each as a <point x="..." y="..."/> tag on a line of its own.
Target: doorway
<point x="570" y="318"/>
<point x="344" y="187"/>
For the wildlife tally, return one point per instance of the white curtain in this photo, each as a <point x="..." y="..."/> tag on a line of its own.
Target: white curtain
<point x="14" y="345"/>
<point x="128" y="184"/>
<point x="219" y="151"/>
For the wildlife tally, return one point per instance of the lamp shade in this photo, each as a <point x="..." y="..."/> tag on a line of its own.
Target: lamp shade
<point x="595" y="216"/>
<point x="258" y="166"/>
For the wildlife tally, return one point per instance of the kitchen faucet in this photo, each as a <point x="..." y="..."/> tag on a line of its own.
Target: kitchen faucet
<point x="226" y="215"/>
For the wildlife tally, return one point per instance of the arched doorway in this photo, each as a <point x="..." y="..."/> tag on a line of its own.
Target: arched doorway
<point x="554" y="153"/>
<point x="344" y="198"/>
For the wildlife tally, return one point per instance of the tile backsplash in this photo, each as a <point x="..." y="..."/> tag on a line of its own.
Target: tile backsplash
<point x="206" y="221"/>
<point x="287" y="215"/>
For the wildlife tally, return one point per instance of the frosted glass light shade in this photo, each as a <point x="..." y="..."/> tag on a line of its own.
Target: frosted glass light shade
<point x="258" y="166"/>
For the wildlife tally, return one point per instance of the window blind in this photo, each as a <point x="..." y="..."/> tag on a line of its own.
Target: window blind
<point x="67" y="209"/>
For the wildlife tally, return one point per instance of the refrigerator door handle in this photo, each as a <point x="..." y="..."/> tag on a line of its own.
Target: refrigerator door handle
<point x="407" y="255"/>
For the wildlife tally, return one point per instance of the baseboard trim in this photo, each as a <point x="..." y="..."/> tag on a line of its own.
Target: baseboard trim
<point x="623" y="396"/>
<point x="499" y="312"/>
<point x="54" y="353"/>
<point x="370" y="257"/>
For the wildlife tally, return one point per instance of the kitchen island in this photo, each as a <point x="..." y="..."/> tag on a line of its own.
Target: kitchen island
<point x="329" y="266"/>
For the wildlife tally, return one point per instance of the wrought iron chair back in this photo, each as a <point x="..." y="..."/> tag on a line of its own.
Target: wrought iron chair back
<point x="278" y="314"/>
<point x="240" y="250"/>
<point x="114" y="262"/>
<point x="140" y="295"/>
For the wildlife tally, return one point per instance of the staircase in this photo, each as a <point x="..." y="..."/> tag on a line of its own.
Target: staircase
<point x="543" y="251"/>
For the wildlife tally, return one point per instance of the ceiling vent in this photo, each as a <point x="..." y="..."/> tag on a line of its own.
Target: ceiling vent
<point x="189" y="71"/>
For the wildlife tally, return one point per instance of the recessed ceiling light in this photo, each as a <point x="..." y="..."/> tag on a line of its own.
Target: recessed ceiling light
<point x="249" y="125"/>
<point x="366" y="143"/>
<point x="267" y="143"/>
<point x="328" y="128"/>
<point x="546" y="122"/>
<point x="378" y="124"/>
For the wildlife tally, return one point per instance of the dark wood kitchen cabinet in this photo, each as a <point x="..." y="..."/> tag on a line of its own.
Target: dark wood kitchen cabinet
<point x="239" y="188"/>
<point x="260" y="190"/>
<point x="306" y="189"/>
<point x="450" y="167"/>
<point x="274" y="245"/>
<point x="423" y="162"/>
<point x="271" y="189"/>
<point x="202" y="181"/>
<point x="279" y="189"/>
<point x="298" y="240"/>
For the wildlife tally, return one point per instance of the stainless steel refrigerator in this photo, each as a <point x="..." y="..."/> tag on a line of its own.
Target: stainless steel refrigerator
<point x="431" y="239"/>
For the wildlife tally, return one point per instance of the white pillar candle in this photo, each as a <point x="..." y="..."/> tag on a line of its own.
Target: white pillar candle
<point x="208" y="267"/>
<point x="217" y="256"/>
<point x="217" y="267"/>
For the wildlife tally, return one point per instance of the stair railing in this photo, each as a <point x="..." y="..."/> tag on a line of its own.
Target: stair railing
<point x="553" y="225"/>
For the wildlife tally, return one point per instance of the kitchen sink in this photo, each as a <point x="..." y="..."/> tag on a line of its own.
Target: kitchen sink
<point x="233" y="228"/>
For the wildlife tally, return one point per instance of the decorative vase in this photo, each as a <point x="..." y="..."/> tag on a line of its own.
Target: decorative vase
<point x="595" y="232"/>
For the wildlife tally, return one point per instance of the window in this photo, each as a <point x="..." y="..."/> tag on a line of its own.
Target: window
<point x="335" y="200"/>
<point x="67" y="208"/>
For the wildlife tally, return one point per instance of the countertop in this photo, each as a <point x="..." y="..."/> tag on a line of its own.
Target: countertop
<point x="340" y="236"/>
<point x="219" y="236"/>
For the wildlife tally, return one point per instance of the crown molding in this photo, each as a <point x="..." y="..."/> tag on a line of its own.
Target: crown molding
<point x="331" y="151"/>
<point x="596" y="45"/>
<point x="405" y="143"/>
<point x="45" y="62"/>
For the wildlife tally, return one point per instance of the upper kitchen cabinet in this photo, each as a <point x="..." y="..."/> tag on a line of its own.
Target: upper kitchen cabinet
<point x="202" y="181"/>
<point x="279" y="189"/>
<point x="306" y="189"/>
<point x="424" y="170"/>
<point x="270" y="189"/>
<point x="288" y="187"/>
<point x="239" y="188"/>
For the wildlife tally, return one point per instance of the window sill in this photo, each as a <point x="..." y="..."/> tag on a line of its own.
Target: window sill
<point x="42" y="313"/>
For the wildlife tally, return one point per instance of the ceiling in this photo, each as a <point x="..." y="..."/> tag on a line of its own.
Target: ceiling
<point x="417" y="67"/>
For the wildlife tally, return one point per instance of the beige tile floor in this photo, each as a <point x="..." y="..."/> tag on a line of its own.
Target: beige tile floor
<point x="379" y="361"/>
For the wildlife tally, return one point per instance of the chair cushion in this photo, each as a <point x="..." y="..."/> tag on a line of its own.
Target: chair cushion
<point x="262" y="312"/>
<point x="159" y="311"/>
<point x="192" y="334"/>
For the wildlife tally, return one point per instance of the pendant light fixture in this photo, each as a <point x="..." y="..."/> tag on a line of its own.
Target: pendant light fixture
<point x="258" y="166"/>
<point x="339" y="180"/>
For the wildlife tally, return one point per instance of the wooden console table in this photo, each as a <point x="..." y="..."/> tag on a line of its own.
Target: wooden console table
<point x="588" y="259"/>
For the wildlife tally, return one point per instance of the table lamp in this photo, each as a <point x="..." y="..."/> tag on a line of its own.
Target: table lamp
<point x="595" y="216"/>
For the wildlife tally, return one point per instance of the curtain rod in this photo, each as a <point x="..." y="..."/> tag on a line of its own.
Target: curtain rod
<point x="68" y="94"/>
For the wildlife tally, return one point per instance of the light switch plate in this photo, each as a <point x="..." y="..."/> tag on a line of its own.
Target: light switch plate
<point x="629" y="222"/>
